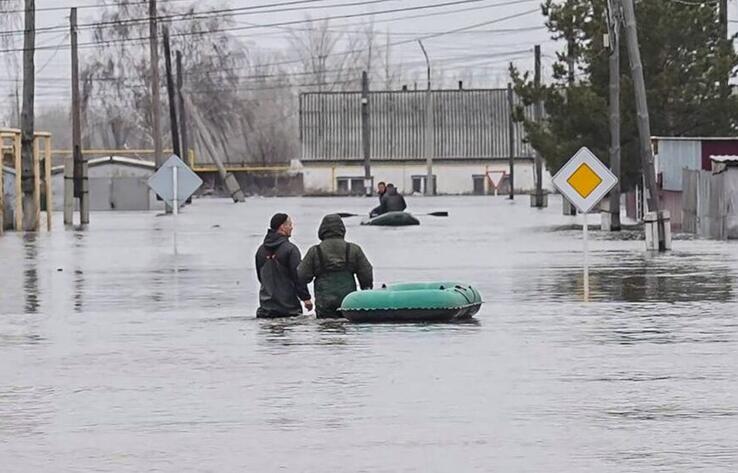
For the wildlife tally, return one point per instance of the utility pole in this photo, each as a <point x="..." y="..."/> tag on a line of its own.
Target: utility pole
<point x="428" y="134"/>
<point x="366" y="133"/>
<point x="613" y="23"/>
<point x="723" y="45"/>
<point x="72" y="174"/>
<point x="644" y="125"/>
<point x="155" y="101"/>
<point x="182" y="112"/>
<point x="170" y="94"/>
<point x="511" y="137"/>
<point x="77" y="184"/>
<point x="538" y="115"/>
<point x="29" y="81"/>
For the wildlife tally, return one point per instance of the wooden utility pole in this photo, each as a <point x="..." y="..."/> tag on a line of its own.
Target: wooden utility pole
<point x="182" y="111"/>
<point x="366" y="133"/>
<point x="27" y="134"/>
<point x="639" y="86"/>
<point x="428" y="134"/>
<point x="511" y="138"/>
<point x="538" y="111"/>
<point x="229" y="180"/>
<point x="76" y="184"/>
<point x="173" y="124"/>
<point x="724" y="43"/>
<point x="155" y="100"/>
<point x="614" y="20"/>
<point x="644" y="125"/>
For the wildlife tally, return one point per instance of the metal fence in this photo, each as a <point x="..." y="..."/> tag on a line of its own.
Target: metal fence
<point x="704" y="204"/>
<point x="467" y="124"/>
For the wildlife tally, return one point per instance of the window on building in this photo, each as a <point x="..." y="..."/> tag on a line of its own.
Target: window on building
<point x="350" y="185"/>
<point x="419" y="184"/>
<point x="357" y="186"/>
<point x="343" y="185"/>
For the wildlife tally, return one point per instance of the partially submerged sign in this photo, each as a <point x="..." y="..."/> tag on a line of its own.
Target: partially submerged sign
<point x="495" y="178"/>
<point x="174" y="181"/>
<point x="584" y="180"/>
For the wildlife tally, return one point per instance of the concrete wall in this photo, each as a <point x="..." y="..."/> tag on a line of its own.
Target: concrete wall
<point x="452" y="177"/>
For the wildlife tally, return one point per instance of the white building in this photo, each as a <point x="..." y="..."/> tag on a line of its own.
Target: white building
<point x="471" y="142"/>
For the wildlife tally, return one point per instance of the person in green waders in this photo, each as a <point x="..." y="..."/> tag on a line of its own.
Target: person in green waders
<point x="335" y="265"/>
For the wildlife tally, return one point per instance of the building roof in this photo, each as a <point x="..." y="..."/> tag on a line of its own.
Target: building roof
<point x="112" y="160"/>
<point x="467" y="124"/>
<point x="695" y="138"/>
<point x="724" y="158"/>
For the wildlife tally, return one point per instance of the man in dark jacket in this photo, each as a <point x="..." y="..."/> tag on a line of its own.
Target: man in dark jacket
<point x="276" y="268"/>
<point x="335" y="264"/>
<point x="393" y="201"/>
<point x="381" y="189"/>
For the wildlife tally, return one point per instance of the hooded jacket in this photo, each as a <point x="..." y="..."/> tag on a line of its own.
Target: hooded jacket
<point x="393" y="201"/>
<point x="334" y="264"/>
<point x="276" y="268"/>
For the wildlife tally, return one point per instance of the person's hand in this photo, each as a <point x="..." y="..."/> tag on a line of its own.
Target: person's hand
<point x="308" y="305"/>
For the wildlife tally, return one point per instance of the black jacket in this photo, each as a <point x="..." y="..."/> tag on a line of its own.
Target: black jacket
<point x="393" y="201"/>
<point x="276" y="268"/>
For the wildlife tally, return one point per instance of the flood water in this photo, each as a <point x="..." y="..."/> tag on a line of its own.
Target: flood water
<point x="116" y="354"/>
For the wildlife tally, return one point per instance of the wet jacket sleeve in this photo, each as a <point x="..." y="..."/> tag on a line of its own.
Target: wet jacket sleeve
<point x="363" y="268"/>
<point x="259" y="261"/>
<point x="402" y="201"/>
<point x="295" y="259"/>
<point x="305" y="270"/>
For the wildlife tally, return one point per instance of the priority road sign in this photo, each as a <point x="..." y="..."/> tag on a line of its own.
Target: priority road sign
<point x="584" y="180"/>
<point x="174" y="182"/>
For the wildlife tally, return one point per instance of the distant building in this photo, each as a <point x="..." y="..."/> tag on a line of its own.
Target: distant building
<point x="116" y="183"/>
<point x="470" y="141"/>
<point x="674" y="156"/>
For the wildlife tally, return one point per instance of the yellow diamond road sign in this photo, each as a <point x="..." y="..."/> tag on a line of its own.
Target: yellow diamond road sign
<point x="584" y="180"/>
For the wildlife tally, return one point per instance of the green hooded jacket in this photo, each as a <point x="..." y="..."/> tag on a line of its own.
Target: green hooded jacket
<point x="334" y="264"/>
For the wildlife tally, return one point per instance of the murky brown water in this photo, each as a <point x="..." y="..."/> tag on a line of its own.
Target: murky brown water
<point x="118" y="355"/>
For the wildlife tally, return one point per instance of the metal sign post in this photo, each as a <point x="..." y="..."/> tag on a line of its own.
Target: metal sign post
<point x="174" y="182"/>
<point x="584" y="181"/>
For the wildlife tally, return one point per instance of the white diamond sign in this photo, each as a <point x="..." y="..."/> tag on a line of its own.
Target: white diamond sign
<point x="164" y="181"/>
<point x="584" y="180"/>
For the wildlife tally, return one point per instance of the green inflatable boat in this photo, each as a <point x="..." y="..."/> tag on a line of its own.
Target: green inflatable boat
<point x="392" y="219"/>
<point x="413" y="302"/>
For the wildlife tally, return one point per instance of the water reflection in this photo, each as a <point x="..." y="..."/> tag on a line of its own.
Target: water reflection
<point x="638" y="279"/>
<point x="30" y="273"/>
<point x="78" y="250"/>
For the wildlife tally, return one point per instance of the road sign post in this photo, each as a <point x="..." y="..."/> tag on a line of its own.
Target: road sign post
<point x="495" y="178"/>
<point x="174" y="182"/>
<point x="584" y="181"/>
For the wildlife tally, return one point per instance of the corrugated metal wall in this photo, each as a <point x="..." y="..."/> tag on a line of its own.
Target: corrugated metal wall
<point x="467" y="124"/>
<point x="673" y="157"/>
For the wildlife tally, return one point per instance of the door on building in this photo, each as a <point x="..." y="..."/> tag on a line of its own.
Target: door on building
<point x="478" y="184"/>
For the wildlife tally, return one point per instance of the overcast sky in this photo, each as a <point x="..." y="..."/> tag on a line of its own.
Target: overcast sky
<point x="482" y="49"/>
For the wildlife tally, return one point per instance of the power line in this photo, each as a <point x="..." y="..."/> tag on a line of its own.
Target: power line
<point x="239" y="11"/>
<point x="141" y="39"/>
<point x="350" y="26"/>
